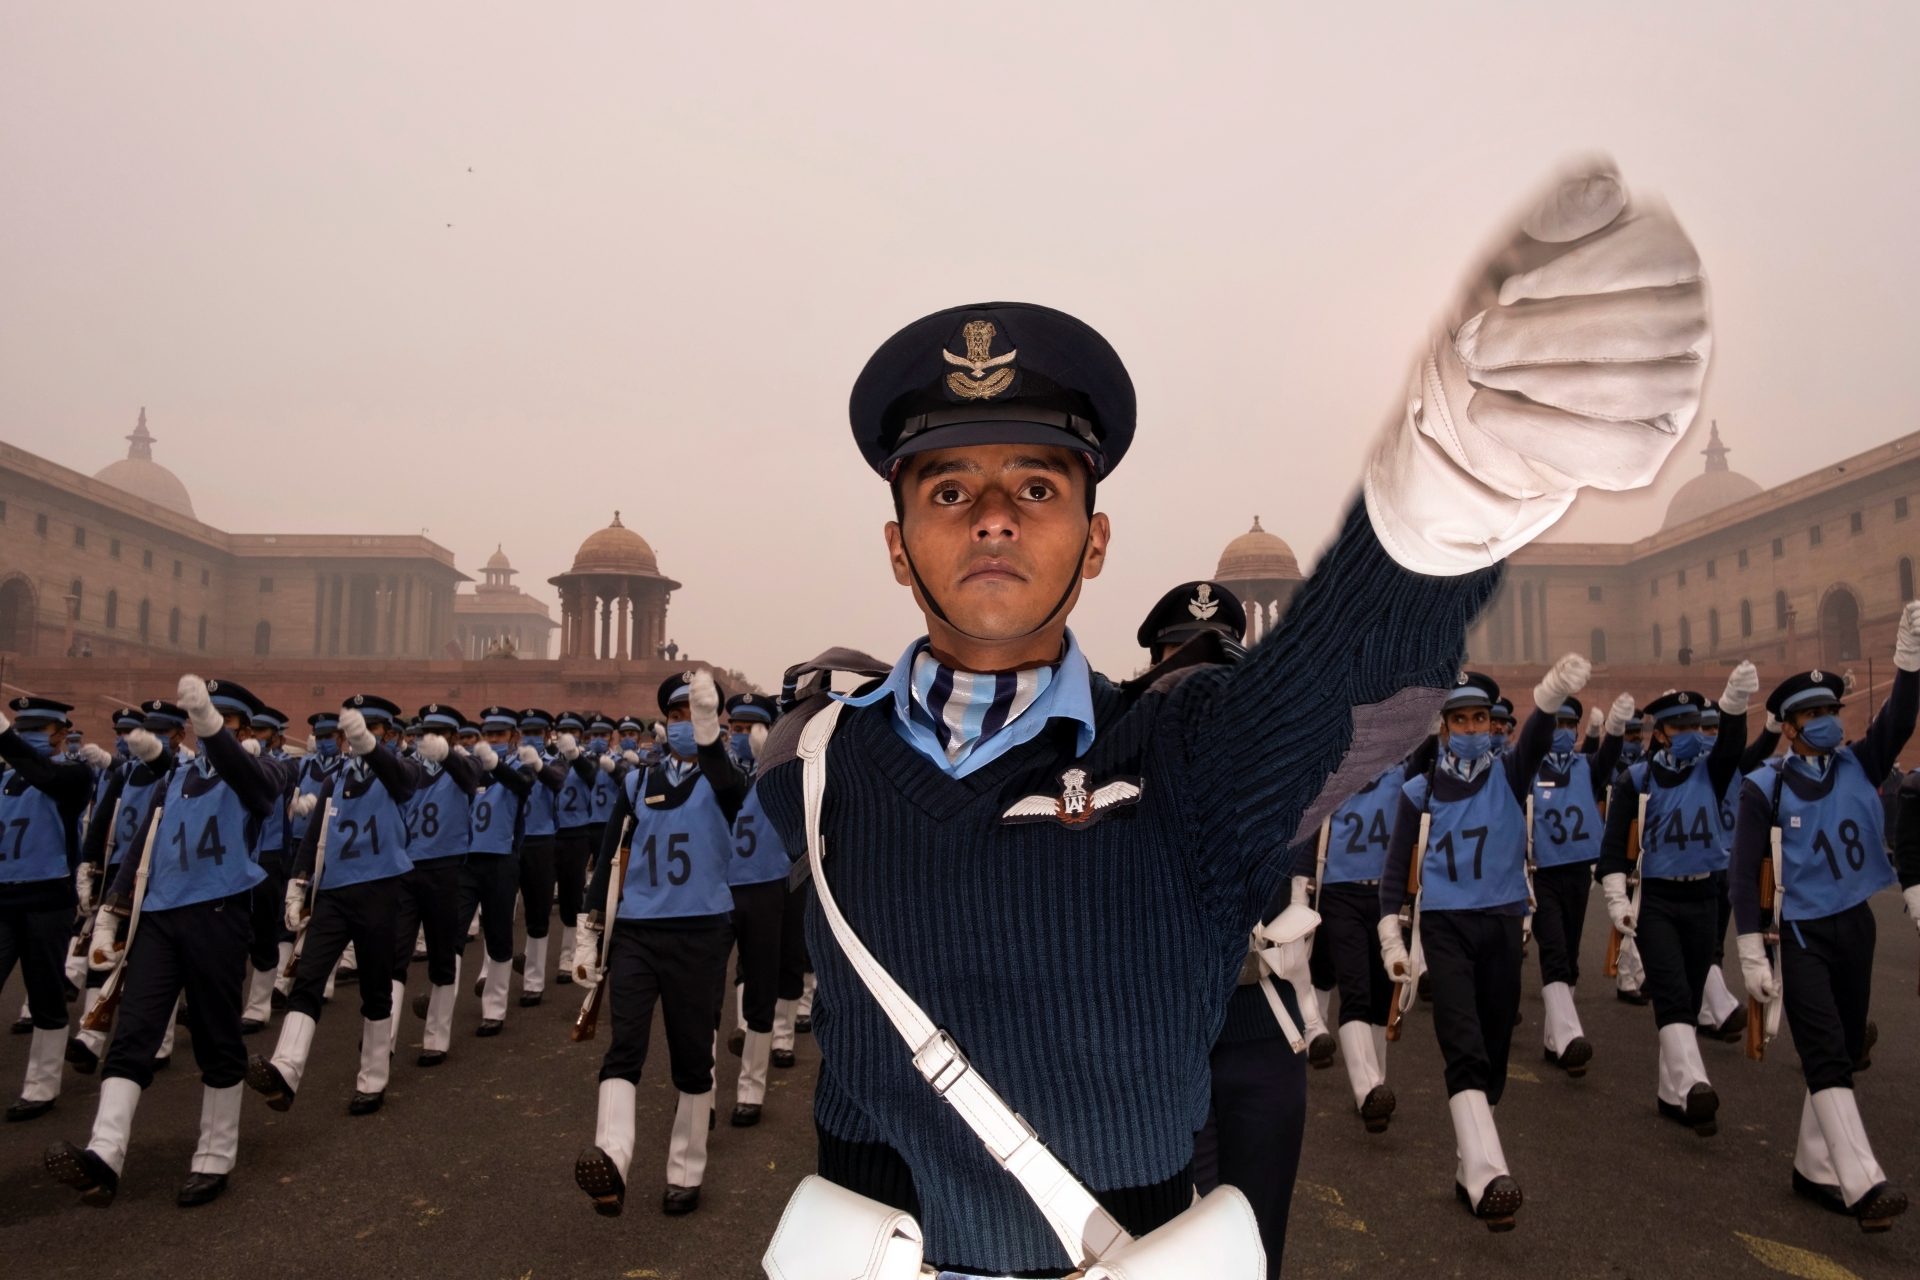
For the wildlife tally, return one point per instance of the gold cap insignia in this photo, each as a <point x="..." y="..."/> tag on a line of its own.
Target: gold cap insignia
<point x="1203" y="605"/>
<point x="987" y="375"/>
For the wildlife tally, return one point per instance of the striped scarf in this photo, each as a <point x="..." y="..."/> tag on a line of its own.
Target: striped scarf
<point x="968" y="708"/>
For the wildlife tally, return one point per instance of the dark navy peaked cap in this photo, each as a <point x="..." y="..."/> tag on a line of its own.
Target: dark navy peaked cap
<point x="1189" y="609"/>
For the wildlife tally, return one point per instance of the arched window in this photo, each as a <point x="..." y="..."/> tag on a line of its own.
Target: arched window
<point x="1597" y="645"/>
<point x="16" y="616"/>
<point x="1906" y="579"/>
<point x="173" y="627"/>
<point x="263" y="638"/>
<point x="1713" y="628"/>
<point x="146" y="620"/>
<point x="1656" y="639"/>
<point x="203" y="631"/>
<point x="1839" y="627"/>
<point x="1779" y="611"/>
<point x="1746" y="618"/>
<point x="113" y="609"/>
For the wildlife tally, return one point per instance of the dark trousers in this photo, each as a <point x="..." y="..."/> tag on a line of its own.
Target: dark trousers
<point x="268" y="911"/>
<point x="201" y="949"/>
<point x="363" y="915"/>
<point x="1474" y="958"/>
<point x="684" y="971"/>
<point x="1559" y="918"/>
<point x="429" y="899"/>
<point x="38" y="939"/>
<point x="1726" y="914"/>
<point x="795" y="963"/>
<point x="1320" y="968"/>
<point x="759" y="917"/>
<point x="1348" y="928"/>
<point x="490" y="880"/>
<point x="536" y="883"/>
<point x="571" y="853"/>
<point x="1254" y="1130"/>
<point x="1675" y="937"/>
<point x="1826" y="978"/>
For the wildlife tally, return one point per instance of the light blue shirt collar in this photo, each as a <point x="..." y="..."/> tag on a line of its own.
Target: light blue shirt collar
<point x="1069" y="696"/>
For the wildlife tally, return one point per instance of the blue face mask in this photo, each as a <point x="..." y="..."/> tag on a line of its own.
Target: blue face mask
<point x="329" y="747"/>
<point x="741" y="746"/>
<point x="680" y="738"/>
<point x="1562" y="741"/>
<point x="121" y="749"/>
<point x="39" y="739"/>
<point x="1499" y="740"/>
<point x="1687" y="745"/>
<point x="1632" y="751"/>
<point x="597" y="746"/>
<point x="629" y="744"/>
<point x="1469" y="746"/>
<point x="1823" y="733"/>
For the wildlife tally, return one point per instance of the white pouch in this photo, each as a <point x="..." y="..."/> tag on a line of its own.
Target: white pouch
<point x="1215" y="1239"/>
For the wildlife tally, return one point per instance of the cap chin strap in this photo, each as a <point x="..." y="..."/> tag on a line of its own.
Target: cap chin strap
<point x="941" y="614"/>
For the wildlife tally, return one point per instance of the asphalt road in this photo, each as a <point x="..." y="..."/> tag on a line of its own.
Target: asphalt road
<point x="467" y="1172"/>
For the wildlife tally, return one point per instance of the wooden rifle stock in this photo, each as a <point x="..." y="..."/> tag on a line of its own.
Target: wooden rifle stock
<point x="1612" y="968"/>
<point x="1409" y="909"/>
<point x="102" y="1015"/>
<point x="588" y="1022"/>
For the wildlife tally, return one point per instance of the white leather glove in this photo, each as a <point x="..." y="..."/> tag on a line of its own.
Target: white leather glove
<point x="1393" y="949"/>
<point x="432" y="748"/>
<point x="192" y="698"/>
<point x="1557" y="367"/>
<point x="1773" y="724"/>
<point x="296" y="901"/>
<point x="631" y="757"/>
<point x="530" y="758"/>
<point x="360" y="739"/>
<point x="1619" y="907"/>
<point x="187" y="753"/>
<point x="609" y="762"/>
<point x="757" y="739"/>
<point x="83" y="885"/>
<point x="461" y="751"/>
<point x="586" y="951"/>
<point x="94" y="757"/>
<point x="489" y="758"/>
<point x="145" y="746"/>
<point x="100" y="953"/>
<point x="703" y="701"/>
<point x="304" y="804"/>
<point x="1755" y="972"/>
<point x="251" y="746"/>
<point x="1906" y="644"/>
<point x="1564" y="678"/>
<point x="1742" y="683"/>
<point x="1618" y="714"/>
<point x="569" y="747"/>
<point x="1299" y="896"/>
<point x="1912" y="894"/>
<point x="5" y="724"/>
<point x="1596" y="720"/>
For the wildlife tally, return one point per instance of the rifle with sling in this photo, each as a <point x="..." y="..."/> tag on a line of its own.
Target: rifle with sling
<point x="1409" y="922"/>
<point x="1614" y="938"/>
<point x="588" y="1021"/>
<point x="101" y="1016"/>
<point x="1756" y="1011"/>
<point x="313" y="889"/>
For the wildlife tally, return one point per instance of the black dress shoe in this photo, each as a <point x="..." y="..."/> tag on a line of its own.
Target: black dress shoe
<point x="1634" y="997"/>
<point x="420" y="1007"/>
<point x="430" y="1058"/>
<point x="365" y="1104"/>
<point x="250" y="1025"/>
<point x="341" y="977"/>
<point x="490" y="1027"/>
<point x="1378" y="1108"/>
<point x="81" y="1058"/>
<point x="1574" y="1058"/>
<point x="1698" y="1114"/>
<point x="1877" y="1209"/>
<point x="1498" y="1203"/>
<point x="564" y="978"/>
<point x="736" y="1042"/>
<point x="1730" y="1031"/>
<point x="528" y="999"/>
<point x="24" y="1110"/>
<point x="278" y="999"/>
<point x="804" y="1024"/>
<point x="23" y="1026"/>
<point x="265" y="1078"/>
<point x="84" y="1171"/>
<point x="782" y="1058"/>
<point x="679" y="1200"/>
<point x="595" y="1174"/>
<point x="745" y="1114"/>
<point x="200" y="1188"/>
<point x="1320" y="1052"/>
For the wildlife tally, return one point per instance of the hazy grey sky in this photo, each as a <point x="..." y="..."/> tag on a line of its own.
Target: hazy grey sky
<point x="497" y="270"/>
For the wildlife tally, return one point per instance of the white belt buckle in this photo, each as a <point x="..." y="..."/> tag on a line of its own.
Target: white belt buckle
<point x="940" y="1061"/>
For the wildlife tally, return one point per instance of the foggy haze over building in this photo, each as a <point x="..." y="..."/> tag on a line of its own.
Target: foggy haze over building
<point x="495" y="273"/>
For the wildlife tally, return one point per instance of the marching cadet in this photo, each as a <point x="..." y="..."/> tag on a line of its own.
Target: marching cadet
<point x="490" y="877"/>
<point x="355" y="898"/>
<point x="1681" y="850"/>
<point x="671" y="939"/>
<point x="1821" y="802"/>
<point x="572" y="844"/>
<point x="41" y="802"/>
<point x="266" y="951"/>
<point x="1566" y="843"/>
<point x="1501" y="718"/>
<point x="536" y="850"/>
<point x="1473" y="898"/>
<point x="439" y="834"/>
<point x="201" y="839"/>
<point x="609" y="781"/>
<point x="757" y="878"/>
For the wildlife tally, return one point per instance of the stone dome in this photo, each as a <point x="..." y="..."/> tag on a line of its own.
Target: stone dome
<point x="498" y="560"/>
<point x="616" y="549"/>
<point x="139" y="475"/>
<point x="1713" y="489"/>
<point x="1256" y="555"/>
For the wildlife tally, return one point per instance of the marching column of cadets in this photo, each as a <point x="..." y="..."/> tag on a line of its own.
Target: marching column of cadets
<point x="385" y="830"/>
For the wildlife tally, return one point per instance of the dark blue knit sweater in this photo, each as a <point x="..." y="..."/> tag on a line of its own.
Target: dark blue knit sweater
<point x="1086" y="972"/>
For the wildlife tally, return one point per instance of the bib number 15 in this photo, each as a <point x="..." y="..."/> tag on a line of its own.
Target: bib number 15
<point x="675" y="854"/>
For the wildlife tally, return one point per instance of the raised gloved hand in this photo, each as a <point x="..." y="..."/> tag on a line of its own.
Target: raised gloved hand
<point x="1393" y="949"/>
<point x="530" y="757"/>
<point x="703" y="704"/>
<point x="569" y="747"/>
<point x="1742" y="683"/>
<point x="1618" y="714"/>
<point x="1619" y="906"/>
<point x="1574" y="356"/>
<point x="1912" y="894"/>
<point x="83" y="885"/>
<point x="757" y="739"/>
<point x="353" y="727"/>
<point x="1755" y="972"/>
<point x="193" y="699"/>
<point x="461" y="751"/>
<point x="251" y="746"/>
<point x="631" y="757"/>
<point x="296" y="902"/>
<point x="94" y="757"/>
<point x="1773" y="724"/>
<point x="489" y="758"/>
<point x="1906" y="643"/>
<point x="609" y="762"/>
<point x="1564" y="678"/>
<point x="100" y="953"/>
<point x="1596" y="719"/>
<point x="304" y="804"/>
<point x="432" y="748"/>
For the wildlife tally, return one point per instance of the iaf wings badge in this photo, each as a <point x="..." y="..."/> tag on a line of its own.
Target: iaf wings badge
<point x="1076" y="806"/>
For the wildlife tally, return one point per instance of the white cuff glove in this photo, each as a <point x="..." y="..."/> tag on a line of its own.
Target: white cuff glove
<point x="1513" y="408"/>
<point x="251" y="746"/>
<point x="1755" y="972"/>
<point x="703" y="701"/>
<point x="94" y="757"/>
<point x="304" y="804"/>
<point x="360" y="739"/>
<point x="1742" y="683"/>
<point x="489" y="758"/>
<point x="1393" y="949"/>
<point x="461" y="751"/>
<point x="631" y="757"/>
<point x="609" y="762"/>
<point x="1618" y="714"/>
<point x="1912" y="894"/>
<point x="5" y="724"/>
<point x="1773" y="724"/>
<point x="1596" y="720"/>
<point x="569" y="747"/>
<point x="1564" y="678"/>
<point x="757" y="739"/>
<point x="192" y="699"/>
<point x="1299" y="898"/>
<point x="530" y="758"/>
<point x="432" y="748"/>
<point x="296" y="902"/>
<point x="83" y="885"/>
<point x="1906" y="645"/>
<point x="100" y="953"/>
<point x="1619" y="907"/>
<point x="145" y="747"/>
<point x="586" y="952"/>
